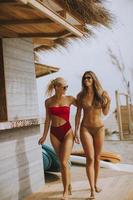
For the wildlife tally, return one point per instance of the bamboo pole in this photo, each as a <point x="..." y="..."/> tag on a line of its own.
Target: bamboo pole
<point x="119" y="115"/>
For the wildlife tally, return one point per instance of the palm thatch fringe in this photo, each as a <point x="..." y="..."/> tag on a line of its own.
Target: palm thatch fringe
<point x="64" y="42"/>
<point x="91" y="12"/>
<point x="61" y="42"/>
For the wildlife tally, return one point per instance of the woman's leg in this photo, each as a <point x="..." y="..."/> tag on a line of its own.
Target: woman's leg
<point x="98" y="144"/>
<point x="65" y="151"/>
<point x="70" y="186"/>
<point x="87" y="143"/>
<point x="55" y="143"/>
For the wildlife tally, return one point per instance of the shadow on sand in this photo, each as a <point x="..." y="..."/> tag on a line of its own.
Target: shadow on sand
<point x="51" y="177"/>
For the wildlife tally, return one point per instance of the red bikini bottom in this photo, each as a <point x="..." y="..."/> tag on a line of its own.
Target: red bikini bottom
<point x="60" y="131"/>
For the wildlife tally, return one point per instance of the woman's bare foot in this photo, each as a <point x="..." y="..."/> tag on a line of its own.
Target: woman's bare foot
<point x="65" y="196"/>
<point x="92" y="196"/>
<point x="97" y="189"/>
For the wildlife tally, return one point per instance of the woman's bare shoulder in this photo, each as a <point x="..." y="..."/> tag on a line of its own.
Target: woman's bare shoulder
<point x="79" y="95"/>
<point x="70" y="97"/>
<point x="48" y="101"/>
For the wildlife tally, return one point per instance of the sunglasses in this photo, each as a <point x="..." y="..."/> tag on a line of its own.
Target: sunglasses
<point x="65" y="87"/>
<point x="87" y="77"/>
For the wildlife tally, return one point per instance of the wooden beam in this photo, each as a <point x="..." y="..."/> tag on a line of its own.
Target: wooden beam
<point x="64" y="34"/>
<point x="23" y="1"/>
<point x="39" y="48"/>
<point x="8" y="1"/>
<point x="42" y="41"/>
<point x="26" y="21"/>
<point x="46" y="35"/>
<point x="6" y="33"/>
<point x="53" y="16"/>
<point x="81" y="27"/>
<point x="62" y="13"/>
<point x="3" y="106"/>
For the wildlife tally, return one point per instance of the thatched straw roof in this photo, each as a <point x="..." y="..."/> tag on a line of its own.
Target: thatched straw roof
<point x="90" y="12"/>
<point x="61" y="42"/>
<point x="51" y="23"/>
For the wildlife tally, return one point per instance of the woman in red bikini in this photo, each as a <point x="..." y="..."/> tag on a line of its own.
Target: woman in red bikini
<point x="93" y="101"/>
<point x="61" y="134"/>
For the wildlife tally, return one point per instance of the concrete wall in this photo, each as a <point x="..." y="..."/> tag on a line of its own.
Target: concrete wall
<point x="21" y="170"/>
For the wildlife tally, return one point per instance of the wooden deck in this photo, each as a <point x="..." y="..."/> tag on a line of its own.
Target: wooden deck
<point x="115" y="186"/>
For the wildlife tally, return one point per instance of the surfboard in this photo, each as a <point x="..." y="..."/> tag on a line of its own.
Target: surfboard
<point x="79" y="160"/>
<point x="105" y="156"/>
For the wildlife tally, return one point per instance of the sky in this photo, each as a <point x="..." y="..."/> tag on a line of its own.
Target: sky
<point x="92" y="54"/>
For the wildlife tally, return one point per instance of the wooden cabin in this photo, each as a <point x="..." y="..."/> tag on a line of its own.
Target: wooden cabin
<point x="27" y="26"/>
<point x="126" y="124"/>
<point x="124" y="115"/>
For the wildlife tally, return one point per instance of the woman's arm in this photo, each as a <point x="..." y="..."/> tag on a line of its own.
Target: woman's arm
<point x="77" y="123"/>
<point x="106" y="105"/>
<point x="46" y="125"/>
<point x="72" y="100"/>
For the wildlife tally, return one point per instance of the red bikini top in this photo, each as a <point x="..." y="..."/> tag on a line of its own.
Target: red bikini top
<point x="60" y="111"/>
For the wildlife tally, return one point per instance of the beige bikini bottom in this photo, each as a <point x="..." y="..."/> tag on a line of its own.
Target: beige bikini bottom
<point x="93" y="130"/>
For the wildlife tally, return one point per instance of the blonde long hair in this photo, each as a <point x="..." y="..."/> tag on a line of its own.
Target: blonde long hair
<point x="53" y="83"/>
<point x="99" y="99"/>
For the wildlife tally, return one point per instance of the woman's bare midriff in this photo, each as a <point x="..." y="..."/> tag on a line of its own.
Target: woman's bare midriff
<point x="92" y="117"/>
<point x="57" y="121"/>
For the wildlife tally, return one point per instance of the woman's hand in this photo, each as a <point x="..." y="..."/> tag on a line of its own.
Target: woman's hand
<point x="76" y="139"/>
<point x="106" y="98"/>
<point x="41" y="140"/>
<point x="106" y="103"/>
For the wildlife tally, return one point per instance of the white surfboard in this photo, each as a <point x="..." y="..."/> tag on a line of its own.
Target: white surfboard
<point x="82" y="161"/>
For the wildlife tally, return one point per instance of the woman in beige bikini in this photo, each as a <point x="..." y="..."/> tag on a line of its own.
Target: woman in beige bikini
<point x="93" y="101"/>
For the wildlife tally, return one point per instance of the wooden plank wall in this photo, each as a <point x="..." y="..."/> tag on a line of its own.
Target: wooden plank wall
<point x="3" y="108"/>
<point x="21" y="167"/>
<point x="20" y="79"/>
<point x="125" y="118"/>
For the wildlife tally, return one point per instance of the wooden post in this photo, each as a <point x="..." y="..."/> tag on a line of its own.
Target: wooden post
<point x="119" y="115"/>
<point x="129" y="114"/>
<point x="3" y="106"/>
